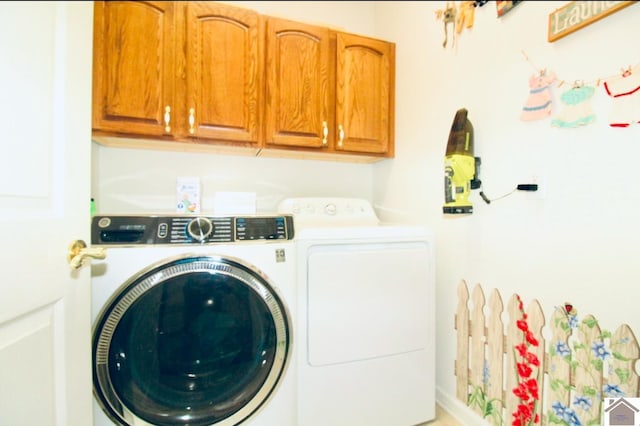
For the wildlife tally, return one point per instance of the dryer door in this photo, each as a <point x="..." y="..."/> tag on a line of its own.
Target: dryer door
<point x="192" y="340"/>
<point x="366" y="301"/>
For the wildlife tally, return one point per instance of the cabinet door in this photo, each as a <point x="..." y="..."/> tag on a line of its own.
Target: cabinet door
<point x="133" y="67"/>
<point x="300" y="85"/>
<point x="365" y="101"/>
<point x="222" y="76"/>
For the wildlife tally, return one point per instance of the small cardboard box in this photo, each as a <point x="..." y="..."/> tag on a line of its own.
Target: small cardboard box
<point x="188" y="195"/>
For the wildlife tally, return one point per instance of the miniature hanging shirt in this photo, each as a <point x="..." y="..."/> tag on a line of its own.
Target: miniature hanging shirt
<point x="577" y="109"/>
<point x="625" y="91"/>
<point x="538" y="105"/>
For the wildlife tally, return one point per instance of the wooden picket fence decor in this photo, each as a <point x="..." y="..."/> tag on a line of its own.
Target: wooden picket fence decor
<point x="582" y="365"/>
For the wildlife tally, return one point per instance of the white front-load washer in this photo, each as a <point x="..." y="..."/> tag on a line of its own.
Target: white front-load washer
<point x="366" y="312"/>
<point x="193" y="320"/>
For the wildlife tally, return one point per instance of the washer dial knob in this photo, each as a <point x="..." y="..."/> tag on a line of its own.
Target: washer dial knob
<point x="199" y="229"/>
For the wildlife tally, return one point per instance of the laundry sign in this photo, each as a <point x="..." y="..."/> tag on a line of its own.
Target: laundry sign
<point x="578" y="14"/>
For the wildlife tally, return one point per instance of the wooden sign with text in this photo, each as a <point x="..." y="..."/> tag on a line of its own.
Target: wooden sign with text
<point x="579" y="14"/>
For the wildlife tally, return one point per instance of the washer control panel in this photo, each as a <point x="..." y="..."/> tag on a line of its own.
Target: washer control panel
<point x="136" y="230"/>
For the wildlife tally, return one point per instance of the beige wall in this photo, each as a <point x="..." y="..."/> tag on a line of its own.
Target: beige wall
<point x="578" y="243"/>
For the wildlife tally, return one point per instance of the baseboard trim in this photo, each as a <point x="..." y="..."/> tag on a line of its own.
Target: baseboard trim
<point x="463" y="414"/>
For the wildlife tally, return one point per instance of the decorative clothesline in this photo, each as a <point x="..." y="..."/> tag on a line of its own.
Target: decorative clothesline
<point x="622" y="88"/>
<point x="596" y="82"/>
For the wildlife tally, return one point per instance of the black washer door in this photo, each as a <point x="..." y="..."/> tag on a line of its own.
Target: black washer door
<point x="194" y="340"/>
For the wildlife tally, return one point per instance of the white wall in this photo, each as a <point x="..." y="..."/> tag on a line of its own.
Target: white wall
<point x="579" y="243"/>
<point x="141" y="181"/>
<point x="352" y="16"/>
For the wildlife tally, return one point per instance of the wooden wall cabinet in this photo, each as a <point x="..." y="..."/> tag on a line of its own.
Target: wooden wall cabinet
<point x="193" y="74"/>
<point x="300" y="84"/>
<point x="186" y="71"/>
<point x="328" y="91"/>
<point x="222" y="74"/>
<point x="133" y="67"/>
<point x="365" y="95"/>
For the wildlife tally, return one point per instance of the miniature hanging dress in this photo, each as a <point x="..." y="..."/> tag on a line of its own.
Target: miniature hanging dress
<point x="625" y="91"/>
<point x="466" y="16"/>
<point x="538" y="104"/>
<point x="577" y="109"/>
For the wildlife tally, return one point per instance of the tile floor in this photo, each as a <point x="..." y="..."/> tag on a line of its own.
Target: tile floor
<point x="443" y="419"/>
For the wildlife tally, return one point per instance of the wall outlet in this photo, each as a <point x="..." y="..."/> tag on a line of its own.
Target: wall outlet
<point x="542" y="187"/>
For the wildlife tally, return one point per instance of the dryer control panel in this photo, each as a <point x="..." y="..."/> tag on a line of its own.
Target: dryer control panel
<point x="185" y="229"/>
<point x="329" y="211"/>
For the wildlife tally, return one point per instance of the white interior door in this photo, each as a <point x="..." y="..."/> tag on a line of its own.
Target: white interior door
<point x="45" y="119"/>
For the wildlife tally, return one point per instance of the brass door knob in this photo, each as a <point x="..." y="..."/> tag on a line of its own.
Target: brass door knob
<point x="78" y="254"/>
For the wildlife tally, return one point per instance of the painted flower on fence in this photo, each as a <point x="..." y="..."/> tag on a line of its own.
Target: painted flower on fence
<point x="600" y="350"/>
<point x="593" y="360"/>
<point x="527" y="368"/>
<point x="562" y="349"/>
<point x="564" y="415"/>
<point x="490" y="408"/>
<point x="613" y="391"/>
<point x="478" y="399"/>
<point x="582" y="402"/>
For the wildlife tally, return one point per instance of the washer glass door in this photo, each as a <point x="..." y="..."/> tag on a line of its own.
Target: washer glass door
<point x="193" y="340"/>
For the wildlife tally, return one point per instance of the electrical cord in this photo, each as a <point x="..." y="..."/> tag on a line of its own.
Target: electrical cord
<point x="488" y="201"/>
<point x="532" y="187"/>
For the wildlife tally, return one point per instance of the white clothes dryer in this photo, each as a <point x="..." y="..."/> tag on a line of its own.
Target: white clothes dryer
<point x="366" y="312"/>
<point x="193" y="320"/>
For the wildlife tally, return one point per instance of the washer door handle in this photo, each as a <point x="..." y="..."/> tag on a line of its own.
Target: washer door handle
<point x="78" y="254"/>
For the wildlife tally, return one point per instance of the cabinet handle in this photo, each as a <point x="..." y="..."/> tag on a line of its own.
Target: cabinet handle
<point x="192" y="120"/>
<point x="325" y="132"/>
<point x="167" y="119"/>
<point x="340" y="135"/>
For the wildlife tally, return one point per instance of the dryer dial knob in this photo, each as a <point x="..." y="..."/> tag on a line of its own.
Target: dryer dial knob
<point x="330" y="209"/>
<point x="200" y="228"/>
